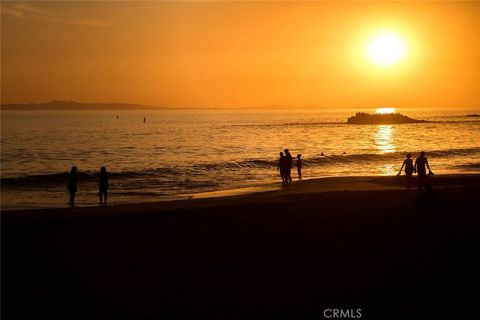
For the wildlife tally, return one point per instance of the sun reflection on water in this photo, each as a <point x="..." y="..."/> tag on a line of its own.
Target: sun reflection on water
<point x="384" y="144"/>
<point x="384" y="138"/>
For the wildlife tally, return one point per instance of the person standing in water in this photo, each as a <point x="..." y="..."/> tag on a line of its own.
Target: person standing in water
<point x="103" y="185"/>
<point x="420" y="163"/>
<point x="288" y="166"/>
<point x="281" y="166"/>
<point x="72" y="185"/>
<point x="299" y="166"/>
<point x="409" y="169"/>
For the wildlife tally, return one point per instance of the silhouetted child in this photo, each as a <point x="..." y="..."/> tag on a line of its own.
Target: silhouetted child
<point x="281" y="166"/>
<point x="409" y="169"/>
<point x="103" y="185"/>
<point x="299" y="166"/>
<point x="72" y="185"/>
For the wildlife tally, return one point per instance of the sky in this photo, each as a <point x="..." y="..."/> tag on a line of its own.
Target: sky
<point x="240" y="54"/>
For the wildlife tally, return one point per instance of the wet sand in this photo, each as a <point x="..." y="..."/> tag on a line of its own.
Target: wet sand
<point x="351" y="243"/>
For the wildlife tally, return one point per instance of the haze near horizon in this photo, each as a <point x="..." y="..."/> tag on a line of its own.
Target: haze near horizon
<point x="242" y="54"/>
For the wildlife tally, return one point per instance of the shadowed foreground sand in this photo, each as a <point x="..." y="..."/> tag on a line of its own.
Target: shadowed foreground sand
<point x="350" y="243"/>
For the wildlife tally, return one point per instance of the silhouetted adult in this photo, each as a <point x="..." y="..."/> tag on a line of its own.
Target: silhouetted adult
<point x="288" y="166"/>
<point x="409" y="169"/>
<point x="281" y="166"/>
<point x="72" y="185"/>
<point x="421" y="165"/>
<point x="299" y="166"/>
<point x="103" y="185"/>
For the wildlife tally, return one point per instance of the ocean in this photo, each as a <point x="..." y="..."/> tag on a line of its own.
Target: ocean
<point x="179" y="153"/>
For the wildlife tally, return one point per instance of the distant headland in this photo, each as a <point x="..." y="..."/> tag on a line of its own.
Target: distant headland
<point x="379" y="118"/>
<point x="72" y="105"/>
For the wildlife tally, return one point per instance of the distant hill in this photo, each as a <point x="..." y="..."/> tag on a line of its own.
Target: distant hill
<point x="72" y="105"/>
<point x="376" y="118"/>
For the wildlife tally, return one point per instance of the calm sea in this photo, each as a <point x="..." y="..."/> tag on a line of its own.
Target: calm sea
<point x="175" y="154"/>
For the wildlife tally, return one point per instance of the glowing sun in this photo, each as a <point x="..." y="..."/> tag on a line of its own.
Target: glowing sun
<point x="385" y="49"/>
<point x="385" y="110"/>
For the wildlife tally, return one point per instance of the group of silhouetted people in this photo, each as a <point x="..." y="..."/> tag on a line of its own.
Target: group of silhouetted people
<point x="102" y="185"/>
<point x="285" y="166"/>
<point x="420" y="167"/>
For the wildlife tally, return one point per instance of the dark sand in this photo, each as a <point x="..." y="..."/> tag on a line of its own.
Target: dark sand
<point x="351" y="243"/>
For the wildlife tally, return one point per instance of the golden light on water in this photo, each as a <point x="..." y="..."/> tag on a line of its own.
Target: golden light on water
<point x="384" y="143"/>
<point x="385" y="110"/>
<point x="384" y="138"/>
<point x="385" y="49"/>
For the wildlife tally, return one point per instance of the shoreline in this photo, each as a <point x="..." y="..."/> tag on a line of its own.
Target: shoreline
<point x="265" y="192"/>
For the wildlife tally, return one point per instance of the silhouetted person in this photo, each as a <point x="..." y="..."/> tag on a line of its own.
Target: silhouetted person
<point x="72" y="185"/>
<point x="144" y="119"/>
<point x="103" y="185"/>
<point x="299" y="166"/>
<point x="281" y="166"/>
<point x="288" y="166"/>
<point x="322" y="154"/>
<point x="409" y="169"/>
<point x="421" y="165"/>
<point x="117" y="116"/>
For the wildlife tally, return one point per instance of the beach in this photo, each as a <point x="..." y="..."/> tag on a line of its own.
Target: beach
<point x="350" y="243"/>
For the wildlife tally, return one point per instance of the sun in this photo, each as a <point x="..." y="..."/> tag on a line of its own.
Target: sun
<point x="385" y="110"/>
<point x="385" y="49"/>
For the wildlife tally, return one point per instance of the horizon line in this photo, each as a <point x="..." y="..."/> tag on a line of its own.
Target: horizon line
<point x="57" y="104"/>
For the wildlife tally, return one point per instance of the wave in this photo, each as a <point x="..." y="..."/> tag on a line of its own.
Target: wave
<point x="340" y="159"/>
<point x="470" y="115"/>
<point x="199" y="175"/>
<point x="469" y="166"/>
<point x="461" y="121"/>
<point x="374" y="157"/>
<point x="53" y="178"/>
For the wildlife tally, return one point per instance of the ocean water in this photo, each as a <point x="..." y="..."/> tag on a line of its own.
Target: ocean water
<point x="177" y="153"/>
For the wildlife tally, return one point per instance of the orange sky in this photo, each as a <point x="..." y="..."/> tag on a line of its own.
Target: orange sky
<point x="242" y="54"/>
